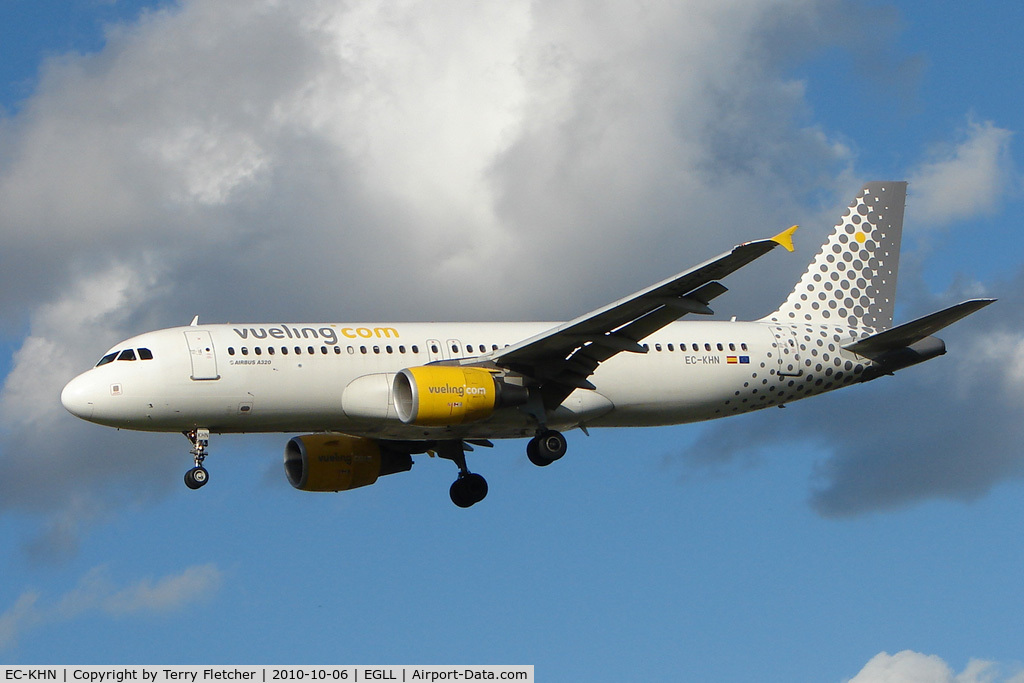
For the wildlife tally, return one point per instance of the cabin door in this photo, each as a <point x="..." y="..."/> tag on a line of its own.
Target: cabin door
<point x="204" y="360"/>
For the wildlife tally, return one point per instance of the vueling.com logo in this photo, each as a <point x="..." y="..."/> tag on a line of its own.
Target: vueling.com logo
<point x="457" y="390"/>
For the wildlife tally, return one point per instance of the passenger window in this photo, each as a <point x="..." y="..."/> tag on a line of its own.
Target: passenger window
<point x="245" y="351"/>
<point x="231" y="350"/>
<point x="433" y="348"/>
<point x="310" y="349"/>
<point x="376" y="349"/>
<point x="127" y="354"/>
<point x="657" y="347"/>
<point x="389" y="349"/>
<point x="732" y="347"/>
<point x="351" y="349"/>
<point x="145" y="354"/>
<point x="721" y="348"/>
<point x="743" y="346"/>
<point x="258" y="350"/>
<point x="109" y="358"/>
<point x="671" y="348"/>
<point x="298" y="351"/>
<point x="707" y="347"/>
<point x="284" y="350"/>
<point x="270" y="350"/>
<point x="401" y="348"/>
<point x="337" y="350"/>
<point x="323" y="350"/>
<point x="362" y="349"/>
<point x="415" y="349"/>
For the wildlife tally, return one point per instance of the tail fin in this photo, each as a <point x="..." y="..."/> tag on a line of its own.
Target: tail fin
<point x="852" y="280"/>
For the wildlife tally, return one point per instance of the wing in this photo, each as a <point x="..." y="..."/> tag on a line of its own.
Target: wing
<point x="562" y="359"/>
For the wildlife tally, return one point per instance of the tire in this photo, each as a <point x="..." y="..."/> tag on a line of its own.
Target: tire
<point x="459" y="495"/>
<point x="476" y="486"/>
<point x="196" y="478"/>
<point x="551" y="445"/>
<point x="534" y="456"/>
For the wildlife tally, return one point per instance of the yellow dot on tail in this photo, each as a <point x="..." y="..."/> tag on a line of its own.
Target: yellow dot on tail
<point x="861" y="237"/>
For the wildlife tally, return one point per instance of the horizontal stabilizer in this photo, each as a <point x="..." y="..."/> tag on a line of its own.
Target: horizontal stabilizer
<point x="910" y="333"/>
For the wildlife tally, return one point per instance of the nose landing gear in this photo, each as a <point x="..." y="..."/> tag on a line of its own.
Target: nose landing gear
<point x="198" y="476"/>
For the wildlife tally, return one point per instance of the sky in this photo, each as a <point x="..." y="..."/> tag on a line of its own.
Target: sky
<point x="389" y="161"/>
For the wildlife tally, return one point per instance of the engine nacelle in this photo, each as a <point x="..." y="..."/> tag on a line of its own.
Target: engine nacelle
<point x="444" y="395"/>
<point x="338" y="462"/>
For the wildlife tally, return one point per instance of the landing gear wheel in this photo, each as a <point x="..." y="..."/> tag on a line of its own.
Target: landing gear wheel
<point x="546" y="447"/>
<point x="196" y="477"/>
<point x="468" y="490"/>
<point x="531" y="453"/>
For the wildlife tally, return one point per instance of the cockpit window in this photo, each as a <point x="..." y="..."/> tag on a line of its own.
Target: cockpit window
<point x="126" y="354"/>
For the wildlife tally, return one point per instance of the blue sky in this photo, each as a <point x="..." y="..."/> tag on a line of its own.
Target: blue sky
<point x="319" y="160"/>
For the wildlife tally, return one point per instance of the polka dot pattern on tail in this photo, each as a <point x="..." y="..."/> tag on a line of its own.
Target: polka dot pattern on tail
<point x="852" y="280"/>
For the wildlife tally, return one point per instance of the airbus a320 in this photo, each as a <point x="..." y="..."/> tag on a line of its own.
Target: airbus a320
<point x="369" y="396"/>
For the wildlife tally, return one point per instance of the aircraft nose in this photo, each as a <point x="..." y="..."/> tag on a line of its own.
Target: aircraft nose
<point x="78" y="397"/>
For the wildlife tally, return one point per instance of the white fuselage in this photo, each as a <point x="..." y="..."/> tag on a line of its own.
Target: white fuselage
<point x="272" y="377"/>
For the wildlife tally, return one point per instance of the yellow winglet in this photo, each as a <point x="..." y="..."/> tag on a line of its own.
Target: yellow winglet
<point x="785" y="238"/>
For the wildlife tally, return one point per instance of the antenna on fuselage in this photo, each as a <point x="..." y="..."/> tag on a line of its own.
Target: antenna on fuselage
<point x="195" y="322"/>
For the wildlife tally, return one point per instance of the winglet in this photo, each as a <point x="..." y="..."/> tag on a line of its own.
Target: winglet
<point x="785" y="238"/>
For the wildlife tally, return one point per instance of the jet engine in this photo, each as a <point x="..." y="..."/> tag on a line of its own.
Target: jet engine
<point x="338" y="462"/>
<point x="443" y="395"/>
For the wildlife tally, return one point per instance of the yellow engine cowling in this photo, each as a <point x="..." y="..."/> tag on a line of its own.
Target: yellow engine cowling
<point x="442" y="395"/>
<point x="338" y="462"/>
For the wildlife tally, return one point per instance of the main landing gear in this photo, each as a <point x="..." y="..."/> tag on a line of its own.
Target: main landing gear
<point x="545" y="448"/>
<point x="198" y="476"/>
<point x="469" y="489"/>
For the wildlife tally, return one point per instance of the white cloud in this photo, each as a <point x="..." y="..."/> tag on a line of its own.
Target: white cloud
<point x="1002" y="350"/>
<point x="965" y="180"/>
<point x="97" y="592"/>
<point x="64" y="337"/>
<point x="913" y="667"/>
<point x="476" y="141"/>
<point x="22" y="616"/>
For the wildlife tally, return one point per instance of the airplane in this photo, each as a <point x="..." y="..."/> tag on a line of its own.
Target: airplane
<point x="369" y="396"/>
